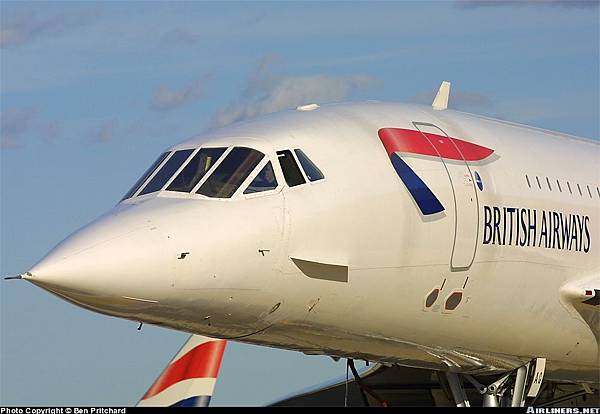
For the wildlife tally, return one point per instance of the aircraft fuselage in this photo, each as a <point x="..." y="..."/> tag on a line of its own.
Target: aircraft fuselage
<point x="466" y="270"/>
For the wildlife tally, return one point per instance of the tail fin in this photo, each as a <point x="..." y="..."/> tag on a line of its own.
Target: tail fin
<point x="189" y="379"/>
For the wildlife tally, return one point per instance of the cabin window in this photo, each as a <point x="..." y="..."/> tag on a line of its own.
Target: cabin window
<point x="569" y="185"/>
<point x="264" y="181"/>
<point x="291" y="171"/>
<point x="312" y="171"/>
<point x="589" y="191"/>
<point x="167" y="170"/>
<point x="528" y="183"/>
<point x="145" y="176"/>
<point x="538" y="182"/>
<point x="548" y="182"/>
<point x="231" y="173"/>
<point x="196" y="169"/>
<point x="579" y="188"/>
<point x="558" y="184"/>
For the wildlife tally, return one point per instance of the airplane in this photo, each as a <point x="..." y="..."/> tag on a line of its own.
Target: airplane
<point x="458" y="254"/>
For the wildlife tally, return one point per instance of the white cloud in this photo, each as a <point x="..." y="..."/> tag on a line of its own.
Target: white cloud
<point x="14" y="124"/>
<point x="266" y="92"/>
<point x="165" y="99"/>
<point x="17" y="125"/>
<point x="22" y="28"/>
<point x="103" y="133"/>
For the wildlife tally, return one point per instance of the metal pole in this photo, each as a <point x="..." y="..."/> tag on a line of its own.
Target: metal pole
<point x="519" y="390"/>
<point x="490" y="400"/>
<point x="457" y="389"/>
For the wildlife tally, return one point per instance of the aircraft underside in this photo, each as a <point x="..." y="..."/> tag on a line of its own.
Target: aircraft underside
<point x="400" y="386"/>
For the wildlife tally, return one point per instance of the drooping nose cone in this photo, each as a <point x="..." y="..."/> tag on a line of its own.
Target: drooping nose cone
<point x="108" y="265"/>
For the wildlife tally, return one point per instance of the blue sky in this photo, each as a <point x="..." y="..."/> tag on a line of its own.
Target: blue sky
<point x="90" y="93"/>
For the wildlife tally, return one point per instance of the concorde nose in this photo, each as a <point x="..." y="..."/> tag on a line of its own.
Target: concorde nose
<point x="104" y="262"/>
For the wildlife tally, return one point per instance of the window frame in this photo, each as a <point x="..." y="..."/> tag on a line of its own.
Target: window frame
<point x="293" y="150"/>
<point x="191" y="195"/>
<point x="243" y="185"/>
<point x="161" y="190"/>
<point x="238" y="194"/>
<point x="136" y="195"/>
<point x="210" y="170"/>
<point x="176" y="173"/>
<point x="143" y="183"/>
<point x="254" y="174"/>
<point x="269" y="156"/>
<point x="300" y="167"/>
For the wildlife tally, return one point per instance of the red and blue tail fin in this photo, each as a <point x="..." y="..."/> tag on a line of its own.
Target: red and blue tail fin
<point x="189" y="379"/>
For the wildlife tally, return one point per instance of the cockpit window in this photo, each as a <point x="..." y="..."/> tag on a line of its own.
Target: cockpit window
<point x="312" y="171"/>
<point x="231" y="173"/>
<point x="162" y="176"/>
<point x="193" y="172"/>
<point x="291" y="171"/>
<point x="145" y="176"/>
<point x="264" y="181"/>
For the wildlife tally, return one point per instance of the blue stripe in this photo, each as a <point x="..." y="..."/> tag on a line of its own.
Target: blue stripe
<point x="199" y="401"/>
<point x="425" y="199"/>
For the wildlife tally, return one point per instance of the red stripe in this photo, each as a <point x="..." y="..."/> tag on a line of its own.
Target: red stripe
<point x="411" y="141"/>
<point x="202" y="361"/>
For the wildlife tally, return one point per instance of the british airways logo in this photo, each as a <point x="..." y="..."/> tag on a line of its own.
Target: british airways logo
<point x="513" y="226"/>
<point x="399" y="141"/>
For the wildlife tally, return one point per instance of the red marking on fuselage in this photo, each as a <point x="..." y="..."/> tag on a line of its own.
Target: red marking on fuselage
<point x="414" y="142"/>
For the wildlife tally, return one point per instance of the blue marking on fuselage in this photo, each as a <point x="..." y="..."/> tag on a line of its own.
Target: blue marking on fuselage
<point x="427" y="201"/>
<point x="479" y="181"/>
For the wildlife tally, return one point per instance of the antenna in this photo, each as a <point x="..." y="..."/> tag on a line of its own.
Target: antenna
<point x="441" y="98"/>
<point x="13" y="277"/>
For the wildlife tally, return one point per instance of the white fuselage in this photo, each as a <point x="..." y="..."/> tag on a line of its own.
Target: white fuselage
<point x="237" y="279"/>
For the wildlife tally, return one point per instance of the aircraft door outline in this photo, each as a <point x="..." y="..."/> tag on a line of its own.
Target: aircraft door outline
<point x="466" y="203"/>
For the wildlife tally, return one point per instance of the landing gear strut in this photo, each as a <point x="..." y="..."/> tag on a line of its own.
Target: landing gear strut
<point x="507" y="391"/>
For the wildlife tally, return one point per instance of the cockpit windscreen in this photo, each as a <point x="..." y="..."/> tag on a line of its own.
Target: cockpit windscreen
<point x="231" y="173"/>
<point x="193" y="172"/>
<point x="312" y="171"/>
<point x="145" y="176"/>
<point x="168" y="169"/>
<point x="264" y="181"/>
